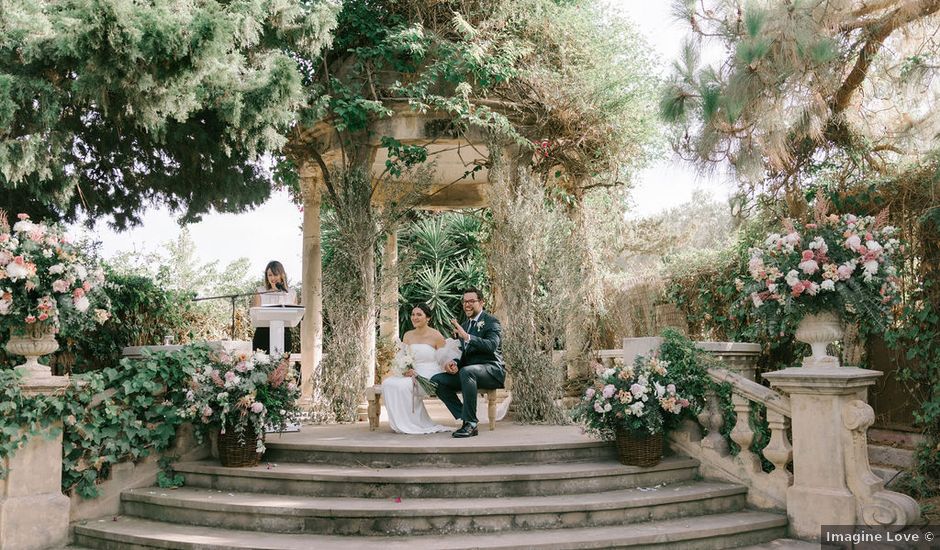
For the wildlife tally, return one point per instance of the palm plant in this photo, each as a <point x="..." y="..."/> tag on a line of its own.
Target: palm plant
<point x="446" y="258"/>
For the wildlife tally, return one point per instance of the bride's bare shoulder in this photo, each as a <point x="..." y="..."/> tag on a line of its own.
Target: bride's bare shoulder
<point x="438" y="339"/>
<point x="407" y="337"/>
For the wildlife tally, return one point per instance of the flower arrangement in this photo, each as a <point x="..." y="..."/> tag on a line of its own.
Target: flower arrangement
<point x="634" y="398"/>
<point x="838" y="263"/>
<point x="43" y="277"/>
<point x="244" y="392"/>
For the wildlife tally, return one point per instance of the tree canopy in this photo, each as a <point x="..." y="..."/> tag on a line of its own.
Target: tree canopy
<point x="809" y="91"/>
<point x="107" y="106"/>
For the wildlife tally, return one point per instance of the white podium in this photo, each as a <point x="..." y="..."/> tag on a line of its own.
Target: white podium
<point x="276" y="318"/>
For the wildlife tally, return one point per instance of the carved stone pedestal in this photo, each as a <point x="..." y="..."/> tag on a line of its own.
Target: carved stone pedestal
<point x="832" y="480"/>
<point x="34" y="513"/>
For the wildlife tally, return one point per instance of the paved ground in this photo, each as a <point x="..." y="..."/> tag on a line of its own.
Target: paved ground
<point x="507" y="432"/>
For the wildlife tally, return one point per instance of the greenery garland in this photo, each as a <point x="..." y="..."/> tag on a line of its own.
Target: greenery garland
<point x="108" y="417"/>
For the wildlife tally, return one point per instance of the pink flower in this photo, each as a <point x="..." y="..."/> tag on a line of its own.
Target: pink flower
<point x="78" y="293"/>
<point x="808" y="265"/>
<point x="811" y="226"/>
<point x="257" y="407"/>
<point x="86" y="286"/>
<point x="589" y="394"/>
<point x="22" y="216"/>
<point x="671" y="388"/>
<point x="808" y="255"/>
<point x="30" y="319"/>
<point x="43" y="316"/>
<point x="845" y="271"/>
<point x="609" y="391"/>
<point x="207" y="411"/>
<point x="5" y="237"/>
<point x="229" y="376"/>
<point x="60" y="285"/>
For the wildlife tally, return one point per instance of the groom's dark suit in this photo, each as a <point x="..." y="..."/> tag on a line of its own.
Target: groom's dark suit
<point x="480" y="366"/>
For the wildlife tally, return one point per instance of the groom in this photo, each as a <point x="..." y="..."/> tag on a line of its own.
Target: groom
<point x="479" y="366"/>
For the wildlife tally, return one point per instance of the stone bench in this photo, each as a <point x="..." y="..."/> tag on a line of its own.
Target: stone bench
<point x="374" y="399"/>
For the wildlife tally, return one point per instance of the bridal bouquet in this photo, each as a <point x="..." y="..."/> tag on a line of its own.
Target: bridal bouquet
<point x="404" y="361"/>
<point x="839" y="263"/>
<point x="633" y="398"/>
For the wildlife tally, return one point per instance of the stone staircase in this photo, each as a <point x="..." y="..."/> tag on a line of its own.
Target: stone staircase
<point x="891" y="452"/>
<point x="517" y="487"/>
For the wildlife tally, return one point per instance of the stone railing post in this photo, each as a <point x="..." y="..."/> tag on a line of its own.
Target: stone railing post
<point x="33" y="511"/>
<point x="832" y="479"/>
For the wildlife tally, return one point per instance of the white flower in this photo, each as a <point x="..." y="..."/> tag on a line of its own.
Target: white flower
<point x="607" y="407"/>
<point x="636" y="409"/>
<point x="870" y="267"/>
<point x="772" y="240"/>
<point x="793" y="277"/>
<point x="819" y="244"/>
<point x="812" y="289"/>
<point x="81" y="304"/>
<point x="17" y="271"/>
<point x="660" y="389"/>
<point x="80" y="271"/>
<point x="23" y="226"/>
<point x="828" y="284"/>
<point x="873" y="246"/>
<point x="756" y="299"/>
<point x="772" y="287"/>
<point x="57" y="269"/>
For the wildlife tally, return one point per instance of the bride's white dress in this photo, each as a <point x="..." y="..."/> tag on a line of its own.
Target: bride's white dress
<point x="406" y="412"/>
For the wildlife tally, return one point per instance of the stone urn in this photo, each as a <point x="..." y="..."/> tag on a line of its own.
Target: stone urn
<point x="819" y="330"/>
<point x="32" y="346"/>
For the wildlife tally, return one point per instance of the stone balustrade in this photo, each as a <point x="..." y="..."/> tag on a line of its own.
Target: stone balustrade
<point x="825" y="408"/>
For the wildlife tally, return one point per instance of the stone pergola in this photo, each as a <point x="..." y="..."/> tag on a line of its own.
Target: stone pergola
<point x="454" y="185"/>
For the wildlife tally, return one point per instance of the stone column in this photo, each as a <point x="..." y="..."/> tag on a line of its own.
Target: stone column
<point x="311" y="328"/>
<point x="832" y="480"/>
<point x="388" y="319"/>
<point x="33" y="511"/>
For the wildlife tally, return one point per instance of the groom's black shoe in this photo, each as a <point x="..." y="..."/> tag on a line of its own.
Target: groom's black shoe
<point x="467" y="430"/>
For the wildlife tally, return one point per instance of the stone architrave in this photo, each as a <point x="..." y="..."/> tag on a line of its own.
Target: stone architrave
<point x="832" y="480"/>
<point x="34" y="513"/>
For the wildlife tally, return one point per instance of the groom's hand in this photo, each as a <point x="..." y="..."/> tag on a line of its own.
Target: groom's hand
<point x="450" y="367"/>
<point x="459" y="332"/>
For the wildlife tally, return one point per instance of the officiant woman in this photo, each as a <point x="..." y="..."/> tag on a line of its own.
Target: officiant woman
<point x="274" y="292"/>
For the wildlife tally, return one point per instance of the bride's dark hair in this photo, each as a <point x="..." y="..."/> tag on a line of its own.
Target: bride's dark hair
<point x="425" y="308"/>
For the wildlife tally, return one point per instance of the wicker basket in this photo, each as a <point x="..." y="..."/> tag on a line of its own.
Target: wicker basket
<point x="236" y="454"/>
<point x="639" y="449"/>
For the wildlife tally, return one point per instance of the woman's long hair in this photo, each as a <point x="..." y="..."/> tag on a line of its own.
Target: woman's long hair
<point x="278" y="269"/>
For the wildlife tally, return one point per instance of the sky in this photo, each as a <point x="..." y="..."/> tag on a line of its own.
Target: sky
<point x="273" y="231"/>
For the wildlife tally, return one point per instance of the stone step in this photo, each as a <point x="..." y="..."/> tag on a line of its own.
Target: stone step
<point x="434" y="482"/>
<point x="472" y="451"/>
<point x="899" y="458"/>
<point x="727" y="530"/>
<point x="370" y="517"/>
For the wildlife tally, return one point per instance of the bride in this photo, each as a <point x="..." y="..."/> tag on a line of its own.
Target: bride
<point x="403" y="398"/>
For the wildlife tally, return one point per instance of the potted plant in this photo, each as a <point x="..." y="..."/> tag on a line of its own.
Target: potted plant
<point x="632" y="405"/>
<point x="45" y="281"/>
<point x="819" y="273"/>
<point x="239" y="396"/>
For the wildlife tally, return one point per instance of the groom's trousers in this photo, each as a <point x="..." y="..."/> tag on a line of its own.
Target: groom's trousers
<point x="467" y="380"/>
